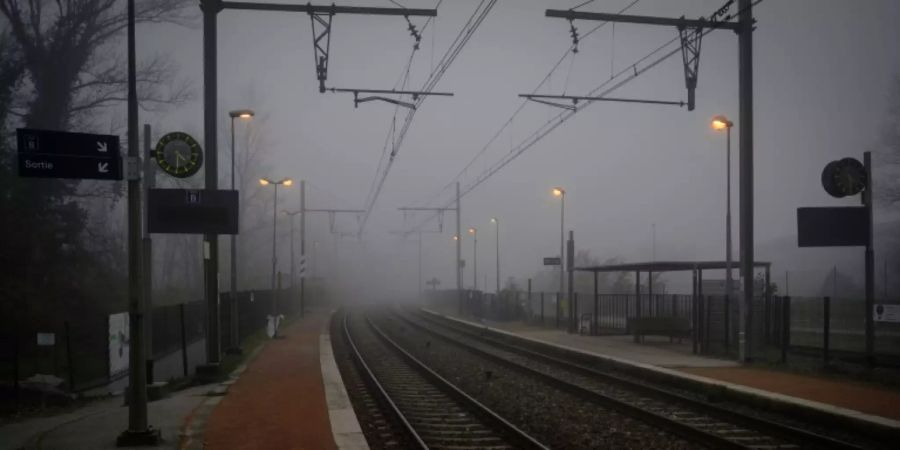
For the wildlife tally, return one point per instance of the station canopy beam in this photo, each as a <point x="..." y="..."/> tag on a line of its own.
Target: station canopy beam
<point x="320" y="17"/>
<point x="415" y="95"/>
<point x="690" y="33"/>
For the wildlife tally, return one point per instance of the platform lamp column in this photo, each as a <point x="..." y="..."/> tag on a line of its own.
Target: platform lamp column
<point x="235" y="347"/>
<point x="266" y="182"/>
<point x="497" y="225"/>
<point x="474" y="232"/>
<point x="561" y="193"/>
<point x="722" y="123"/>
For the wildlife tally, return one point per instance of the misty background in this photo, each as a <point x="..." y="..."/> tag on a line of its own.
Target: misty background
<point x="826" y="86"/>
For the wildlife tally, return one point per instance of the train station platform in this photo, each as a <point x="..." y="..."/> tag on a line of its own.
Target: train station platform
<point x="288" y="394"/>
<point x="840" y="401"/>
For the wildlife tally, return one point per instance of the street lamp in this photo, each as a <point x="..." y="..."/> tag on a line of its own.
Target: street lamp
<point x="561" y="193"/>
<point x="235" y="337"/>
<point x="474" y="232"/>
<point x="265" y="182"/>
<point x="497" y="225"/>
<point x="722" y="123"/>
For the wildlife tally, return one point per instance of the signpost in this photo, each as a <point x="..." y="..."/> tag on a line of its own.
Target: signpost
<point x="60" y="154"/>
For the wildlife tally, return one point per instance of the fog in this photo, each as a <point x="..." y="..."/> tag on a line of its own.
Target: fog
<point x="823" y="71"/>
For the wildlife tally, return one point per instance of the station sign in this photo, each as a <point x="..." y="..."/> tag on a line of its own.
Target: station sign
<point x="192" y="211"/>
<point x="844" y="226"/>
<point x="554" y="261"/>
<point x="60" y="154"/>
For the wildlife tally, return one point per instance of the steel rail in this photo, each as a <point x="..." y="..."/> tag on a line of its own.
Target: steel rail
<point x="370" y="376"/>
<point x="787" y="432"/>
<point x="506" y="428"/>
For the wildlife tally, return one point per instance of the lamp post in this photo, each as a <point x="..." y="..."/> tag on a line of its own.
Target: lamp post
<point x="561" y="193"/>
<point x="459" y="263"/>
<point x="722" y="123"/>
<point x="235" y="330"/>
<point x="265" y="182"/>
<point x="474" y="232"/>
<point x="293" y="272"/>
<point x="497" y="225"/>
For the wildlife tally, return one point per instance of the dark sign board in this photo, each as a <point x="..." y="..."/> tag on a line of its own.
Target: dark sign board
<point x="832" y="226"/>
<point x="59" y="154"/>
<point x="192" y="211"/>
<point x="551" y="261"/>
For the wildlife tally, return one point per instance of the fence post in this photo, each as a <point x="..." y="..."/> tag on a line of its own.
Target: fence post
<point x="695" y="322"/>
<point x="826" y="331"/>
<point x="184" y="355"/>
<point x="530" y="310"/>
<point x="727" y="323"/>
<point x="558" y="307"/>
<point x="542" y="308"/>
<point x="785" y="327"/>
<point x="69" y="361"/>
<point x="707" y="311"/>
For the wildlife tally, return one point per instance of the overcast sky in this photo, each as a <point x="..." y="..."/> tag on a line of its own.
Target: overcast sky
<point x="822" y="72"/>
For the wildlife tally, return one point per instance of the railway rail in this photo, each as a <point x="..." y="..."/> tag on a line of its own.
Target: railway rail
<point x="690" y="418"/>
<point x="434" y="413"/>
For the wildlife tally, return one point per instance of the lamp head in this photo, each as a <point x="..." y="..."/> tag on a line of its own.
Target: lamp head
<point x="241" y="113"/>
<point x="558" y="192"/>
<point x="287" y="181"/>
<point x="721" y="123"/>
<point x="264" y="182"/>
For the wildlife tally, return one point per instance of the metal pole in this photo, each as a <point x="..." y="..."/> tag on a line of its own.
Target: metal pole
<point x="138" y="431"/>
<point x="745" y="44"/>
<point x="570" y="266"/>
<point x="184" y="354"/>
<point x="729" y="284"/>
<point x="562" y="233"/>
<point x="419" y="279"/>
<point x="235" y="344"/>
<point x="497" y="223"/>
<point x="147" y="252"/>
<point x="302" y="243"/>
<point x="274" y="259"/>
<point x="870" y="264"/>
<point x="475" y="260"/>
<point x="292" y="253"/>
<point x="210" y="10"/>
<point x="459" y="288"/>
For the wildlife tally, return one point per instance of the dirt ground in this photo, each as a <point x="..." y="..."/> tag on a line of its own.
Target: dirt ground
<point x="856" y="396"/>
<point x="279" y="401"/>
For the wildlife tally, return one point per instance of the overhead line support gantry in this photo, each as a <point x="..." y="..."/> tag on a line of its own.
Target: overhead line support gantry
<point x="690" y="32"/>
<point x="211" y="9"/>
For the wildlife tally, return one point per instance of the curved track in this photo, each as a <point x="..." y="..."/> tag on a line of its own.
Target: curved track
<point x="692" y="419"/>
<point x="434" y="413"/>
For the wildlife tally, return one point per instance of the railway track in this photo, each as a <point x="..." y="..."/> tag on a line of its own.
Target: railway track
<point x="434" y="413"/>
<point x="690" y="418"/>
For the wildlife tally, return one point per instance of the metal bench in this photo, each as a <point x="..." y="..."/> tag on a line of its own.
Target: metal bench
<point x="673" y="327"/>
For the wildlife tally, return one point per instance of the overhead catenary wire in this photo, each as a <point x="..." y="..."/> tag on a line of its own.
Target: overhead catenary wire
<point x="519" y="109"/>
<point x="463" y="37"/>
<point x="627" y="74"/>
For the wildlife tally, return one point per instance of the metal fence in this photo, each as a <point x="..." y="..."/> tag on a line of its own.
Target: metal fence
<point x="80" y="355"/>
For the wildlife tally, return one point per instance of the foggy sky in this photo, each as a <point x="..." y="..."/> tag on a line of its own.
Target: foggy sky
<point x="822" y="74"/>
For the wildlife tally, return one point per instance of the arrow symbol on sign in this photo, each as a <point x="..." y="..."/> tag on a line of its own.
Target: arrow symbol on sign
<point x="101" y="147"/>
<point x="103" y="167"/>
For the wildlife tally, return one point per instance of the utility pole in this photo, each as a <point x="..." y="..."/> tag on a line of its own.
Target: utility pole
<point x="303" y="244"/>
<point x="570" y="267"/>
<point x="419" y="277"/>
<point x="459" y="288"/>
<point x="691" y="31"/>
<point x="138" y="432"/>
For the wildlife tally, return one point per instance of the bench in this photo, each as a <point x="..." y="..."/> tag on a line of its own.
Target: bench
<point x="673" y="327"/>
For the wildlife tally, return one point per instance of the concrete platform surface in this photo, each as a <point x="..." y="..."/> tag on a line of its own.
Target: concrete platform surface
<point x="97" y="426"/>
<point x="345" y="427"/>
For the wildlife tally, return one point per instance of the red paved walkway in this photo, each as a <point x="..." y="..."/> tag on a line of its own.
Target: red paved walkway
<point x="856" y="396"/>
<point x="279" y="401"/>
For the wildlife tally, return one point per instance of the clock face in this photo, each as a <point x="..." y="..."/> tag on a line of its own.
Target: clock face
<point x="844" y="178"/>
<point x="178" y="154"/>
